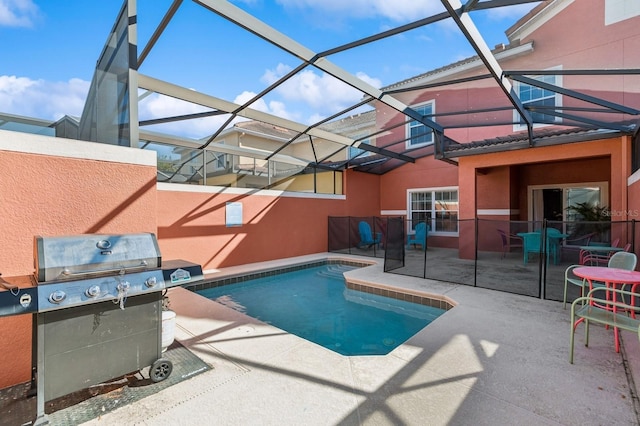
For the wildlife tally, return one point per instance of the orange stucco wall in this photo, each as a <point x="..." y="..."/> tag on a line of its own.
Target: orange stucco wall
<point x="426" y="172"/>
<point x="604" y="160"/>
<point x="191" y="225"/>
<point x="494" y="184"/>
<point x="505" y="187"/>
<point x="51" y="195"/>
<point x="566" y="172"/>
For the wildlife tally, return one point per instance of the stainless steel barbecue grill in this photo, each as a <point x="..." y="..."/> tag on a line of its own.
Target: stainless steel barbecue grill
<point x="99" y="311"/>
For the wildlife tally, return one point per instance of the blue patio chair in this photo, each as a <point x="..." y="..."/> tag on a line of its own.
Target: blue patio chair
<point x="532" y="244"/>
<point x="420" y="237"/>
<point x="554" y="244"/>
<point x="366" y="236"/>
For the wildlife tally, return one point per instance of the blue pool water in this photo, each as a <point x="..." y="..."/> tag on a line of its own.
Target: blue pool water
<point x="315" y="304"/>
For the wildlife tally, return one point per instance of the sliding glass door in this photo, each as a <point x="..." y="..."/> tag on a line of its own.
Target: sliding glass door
<point x="554" y="202"/>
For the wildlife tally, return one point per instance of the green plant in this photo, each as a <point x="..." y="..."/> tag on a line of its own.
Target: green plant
<point x="591" y="218"/>
<point x="589" y="212"/>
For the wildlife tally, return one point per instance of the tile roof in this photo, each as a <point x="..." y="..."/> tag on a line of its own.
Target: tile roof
<point x="351" y="122"/>
<point x="541" y="137"/>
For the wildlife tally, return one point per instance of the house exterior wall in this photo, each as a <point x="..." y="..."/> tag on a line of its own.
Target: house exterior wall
<point x="566" y="172"/>
<point x="555" y="45"/>
<point x="60" y="187"/>
<point x="494" y="186"/>
<point x="191" y="221"/>
<point x="426" y="172"/>
<point x="610" y="159"/>
<point x="324" y="182"/>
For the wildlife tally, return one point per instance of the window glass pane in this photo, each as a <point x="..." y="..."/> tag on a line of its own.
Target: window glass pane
<point x="447" y="221"/>
<point x="357" y="152"/>
<point x="540" y="116"/>
<point x="420" y="134"/>
<point x="215" y="161"/>
<point x="417" y="217"/>
<point x="536" y="96"/>
<point x="447" y="211"/>
<point x="576" y="196"/>
<point x="439" y="209"/>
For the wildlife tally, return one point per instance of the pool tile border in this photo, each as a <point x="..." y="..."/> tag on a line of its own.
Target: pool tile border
<point x="394" y="294"/>
<point x="269" y="273"/>
<point x="400" y="295"/>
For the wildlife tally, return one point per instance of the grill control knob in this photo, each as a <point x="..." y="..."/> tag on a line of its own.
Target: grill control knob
<point x="93" y="291"/>
<point x="151" y="282"/>
<point x="57" y="296"/>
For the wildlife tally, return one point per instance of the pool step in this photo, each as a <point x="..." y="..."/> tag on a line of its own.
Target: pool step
<point x="335" y="271"/>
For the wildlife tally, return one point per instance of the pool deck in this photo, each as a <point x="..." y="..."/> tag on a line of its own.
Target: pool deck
<point x="494" y="359"/>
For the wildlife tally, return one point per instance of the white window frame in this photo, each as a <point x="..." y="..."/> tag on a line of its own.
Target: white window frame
<point x="558" y="100"/>
<point x="415" y="123"/>
<point x="432" y="229"/>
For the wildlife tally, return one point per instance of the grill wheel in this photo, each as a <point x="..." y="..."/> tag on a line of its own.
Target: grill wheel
<point x="160" y="370"/>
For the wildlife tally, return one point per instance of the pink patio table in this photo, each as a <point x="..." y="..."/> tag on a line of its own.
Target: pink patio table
<point x="611" y="277"/>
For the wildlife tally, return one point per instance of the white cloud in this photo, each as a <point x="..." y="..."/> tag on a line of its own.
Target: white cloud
<point x="156" y="106"/>
<point x="371" y="80"/>
<point x="321" y="92"/>
<point x="276" y="108"/>
<point x="40" y="98"/>
<point x="271" y="76"/>
<point x="18" y="13"/>
<point x="510" y="12"/>
<point x="397" y="10"/>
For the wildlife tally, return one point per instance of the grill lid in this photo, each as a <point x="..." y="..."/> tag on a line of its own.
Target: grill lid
<point x="80" y="256"/>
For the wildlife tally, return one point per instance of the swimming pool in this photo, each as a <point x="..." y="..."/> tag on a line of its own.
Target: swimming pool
<point x="314" y="303"/>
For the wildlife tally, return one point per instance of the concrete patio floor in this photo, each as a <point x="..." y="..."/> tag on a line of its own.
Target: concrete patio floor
<point x="492" y="270"/>
<point x="494" y="359"/>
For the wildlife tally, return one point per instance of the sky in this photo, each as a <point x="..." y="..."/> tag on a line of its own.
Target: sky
<point x="51" y="48"/>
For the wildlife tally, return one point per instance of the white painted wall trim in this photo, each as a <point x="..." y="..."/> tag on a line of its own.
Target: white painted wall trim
<point x="179" y="187"/>
<point x="635" y="177"/>
<point x="497" y="212"/>
<point x="393" y="212"/>
<point x="29" y="143"/>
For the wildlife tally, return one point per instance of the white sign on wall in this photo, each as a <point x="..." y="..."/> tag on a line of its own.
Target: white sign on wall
<point x="234" y="214"/>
